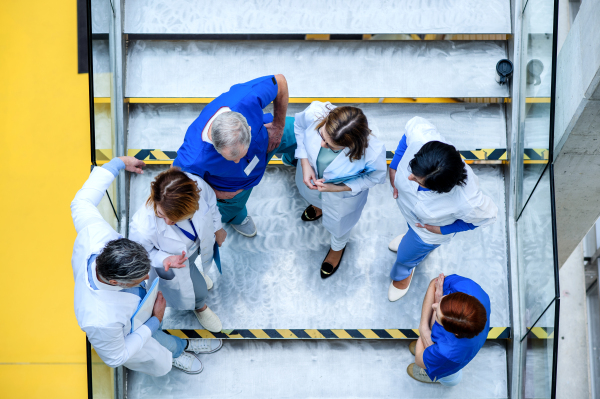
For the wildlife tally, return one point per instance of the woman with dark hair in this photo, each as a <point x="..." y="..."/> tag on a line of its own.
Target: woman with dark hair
<point x="438" y="195"/>
<point x="455" y="321"/>
<point x="178" y="226"/>
<point x="339" y="161"/>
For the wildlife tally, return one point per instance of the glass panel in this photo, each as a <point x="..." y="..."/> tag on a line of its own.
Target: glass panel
<point x="539" y="356"/>
<point x="536" y="74"/>
<point x="103" y="381"/>
<point x="535" y="254"/>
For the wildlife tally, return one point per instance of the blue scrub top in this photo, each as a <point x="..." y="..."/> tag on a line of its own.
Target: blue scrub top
<point x="450" y="354"/>
<point x="199" y="157"/>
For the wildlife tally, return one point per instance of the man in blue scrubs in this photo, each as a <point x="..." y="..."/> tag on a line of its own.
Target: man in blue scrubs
<point x="455" y="321"/>
<point x="230" y="144"/>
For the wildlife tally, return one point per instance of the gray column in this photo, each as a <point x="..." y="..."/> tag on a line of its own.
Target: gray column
<point x="577" y="130"/>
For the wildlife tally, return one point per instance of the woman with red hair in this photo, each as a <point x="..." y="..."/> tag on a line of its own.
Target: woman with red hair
<point x="455" y="321"/>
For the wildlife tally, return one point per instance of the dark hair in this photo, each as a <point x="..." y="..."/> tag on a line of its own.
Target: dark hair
<point x="347" y="127"/>
<point x="176" y="193"/>
<point x="440" y="165"/>
<point x="463" y="315"/>
<point x="123" y="260"/>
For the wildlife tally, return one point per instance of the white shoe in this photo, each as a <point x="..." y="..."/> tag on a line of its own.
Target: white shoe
<point x="395" y="243"/>
<point x="246" y="228"/>
<point x="209" y="282"/>
<point x="201" y="345"/>
<point x="188" y="363"/>
<point x="395" y="293"/>
<point x="209" y="320"/>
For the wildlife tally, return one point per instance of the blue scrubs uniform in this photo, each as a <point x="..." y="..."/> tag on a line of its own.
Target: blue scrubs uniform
<point x="200" y="157"/>
<point x="448" y="355"/>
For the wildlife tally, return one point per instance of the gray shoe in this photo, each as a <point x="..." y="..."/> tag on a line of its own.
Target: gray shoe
<point x="246" y="228"/>
<point x="419" y="374"/>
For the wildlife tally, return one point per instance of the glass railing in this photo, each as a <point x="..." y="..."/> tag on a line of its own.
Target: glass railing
<point x="539" y="301"/>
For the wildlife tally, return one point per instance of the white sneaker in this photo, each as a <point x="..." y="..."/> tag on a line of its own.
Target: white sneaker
<point x="395" y="293"/>
<point x="246" y="228"/>
<point x="209" y="320"/>
<point x="209" y="282"/>
<point x="201" y="345"/>
<point x="395" y="243"/>
<point x="188" y="363"/>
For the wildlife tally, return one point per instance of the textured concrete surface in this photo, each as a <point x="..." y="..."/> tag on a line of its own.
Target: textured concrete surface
<point x="577" y="128"/>
<point x="316" y="16"/>
<point x="573" y="356"/>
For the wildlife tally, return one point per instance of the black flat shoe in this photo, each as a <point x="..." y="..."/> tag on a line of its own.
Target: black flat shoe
<point x="327" y="269"/>
<point x="310" y="215"/>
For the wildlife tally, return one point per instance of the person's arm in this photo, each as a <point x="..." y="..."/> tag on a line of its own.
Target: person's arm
<point x="84" y="209"/>
<point x="377" y="176"/>
<point x="483" y="211"/>
<point x="400" y="150"/>
<point x="211" y="200"/>
<point x="427" y="315"/>
<point x="280" y="104"/>
<point x="114" y="348"/>
<point x="302" y="120"/>
<point x="456" y="227"/>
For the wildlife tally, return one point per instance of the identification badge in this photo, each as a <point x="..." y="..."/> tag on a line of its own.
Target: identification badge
<point x="251" y="166"/>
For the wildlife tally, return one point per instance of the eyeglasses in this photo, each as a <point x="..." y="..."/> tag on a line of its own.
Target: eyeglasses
<point x="327" y="144"/>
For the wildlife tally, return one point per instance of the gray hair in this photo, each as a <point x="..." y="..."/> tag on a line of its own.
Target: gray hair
<point x="123" y="260"/>
<point x="230" y="130"/>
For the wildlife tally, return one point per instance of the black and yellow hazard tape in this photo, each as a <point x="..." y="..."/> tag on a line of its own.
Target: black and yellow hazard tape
<point x="479" y="156"/>
<point x="388" y="333"/>
<point x="541" y="332"/>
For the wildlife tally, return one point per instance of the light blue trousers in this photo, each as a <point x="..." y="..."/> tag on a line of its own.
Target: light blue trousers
<point x="411" y="252"/>
<point x="174" y="344"/>
<point x="234" y="210"/>
<point x="451" y="380"/>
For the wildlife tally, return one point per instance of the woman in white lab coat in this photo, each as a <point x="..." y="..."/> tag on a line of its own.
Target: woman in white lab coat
<point x="336" y="143"/>
<point x="178" y="226"/>
<point x="437" y="193"/>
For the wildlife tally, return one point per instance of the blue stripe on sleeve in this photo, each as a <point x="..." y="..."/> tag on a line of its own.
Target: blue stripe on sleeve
<point x="114" y="166"/>
<point x="152" y="324"/>
<point x="399" y="153"/>
<point x="456" y="227"/>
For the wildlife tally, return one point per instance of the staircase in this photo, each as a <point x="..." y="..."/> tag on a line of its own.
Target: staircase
<point x="288" y="333"/>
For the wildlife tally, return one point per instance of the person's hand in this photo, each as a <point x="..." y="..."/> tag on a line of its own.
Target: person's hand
<point x="227" y="194"/>
<point x="308" y="174"/>
<point x="329" y="187"/>
<point x="160" y="304"/>
<point x="132" y="164"/>
<point x="392" y="178"/>
<point x="430" y="228"/>
<point x="220" y="236"/>
<point x="175" y="261"/>
<point x="439" y="288"/>
<point x="275" y="135"/>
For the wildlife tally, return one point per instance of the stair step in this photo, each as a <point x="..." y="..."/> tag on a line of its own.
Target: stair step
<point x="272" y="280"/>
<point x="320" y="369"/>
<point x="468" y="126"/>
<point x="101" y="15"/>
<point x="317" y="68"/>
<point x="317" y="17"/>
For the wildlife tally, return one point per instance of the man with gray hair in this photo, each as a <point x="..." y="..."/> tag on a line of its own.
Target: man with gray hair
<point x="109" y="273"/>
<point x="230" y="144"/>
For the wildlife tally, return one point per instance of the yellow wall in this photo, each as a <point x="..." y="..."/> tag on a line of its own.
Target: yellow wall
<point x="44" y="133"/>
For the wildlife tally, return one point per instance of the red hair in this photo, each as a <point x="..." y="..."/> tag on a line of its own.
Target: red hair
<point x="463" y="315"/>
<point x="176" y="193"/>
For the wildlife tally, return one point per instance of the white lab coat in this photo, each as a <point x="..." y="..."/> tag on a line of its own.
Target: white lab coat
<point x="342" y="210"/>
<point x="105" y="314"/>
<point x="438" y="209"/>
<point x="162" y="241"/>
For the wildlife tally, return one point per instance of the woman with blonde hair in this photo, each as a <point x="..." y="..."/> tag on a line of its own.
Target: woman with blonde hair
<point x="178" y="226"/>
<point x="339" y="161"/>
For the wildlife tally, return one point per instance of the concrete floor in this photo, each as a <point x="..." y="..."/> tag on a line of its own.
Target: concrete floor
<point x="319" y="369"/>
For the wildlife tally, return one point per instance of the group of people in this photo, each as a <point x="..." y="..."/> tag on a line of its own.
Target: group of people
<point x="176" y="234"/>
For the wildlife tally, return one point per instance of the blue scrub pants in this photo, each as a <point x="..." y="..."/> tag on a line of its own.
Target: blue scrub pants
<point x="451" y="380"/>
<point x="411" y="252"/>
<point x="174" y="344"/>
<point x="234" y="210"/>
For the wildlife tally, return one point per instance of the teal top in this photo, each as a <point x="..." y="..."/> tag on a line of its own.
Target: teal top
<point x="326" y="156"/>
